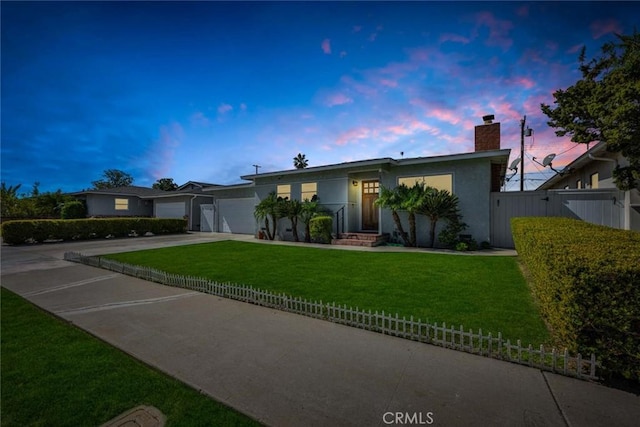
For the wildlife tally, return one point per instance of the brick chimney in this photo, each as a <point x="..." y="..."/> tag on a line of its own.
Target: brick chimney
<point x="487" y="135"/>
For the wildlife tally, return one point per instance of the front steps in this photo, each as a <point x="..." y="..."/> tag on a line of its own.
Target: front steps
<point x="361" y="239"/>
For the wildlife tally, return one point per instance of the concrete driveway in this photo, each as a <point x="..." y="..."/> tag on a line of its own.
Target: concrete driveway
<point x="287" y="370"/>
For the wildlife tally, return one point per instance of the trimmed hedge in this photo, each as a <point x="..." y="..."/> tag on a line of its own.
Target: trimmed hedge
<point x="586" y="279"/>
<point x="320" y="228"/>
<point x="23" y="231"/>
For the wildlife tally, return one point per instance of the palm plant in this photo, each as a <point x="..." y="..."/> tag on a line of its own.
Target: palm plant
<point x="436" y="205"/>
<point x="308" y="210"/>
<point x="392" y="199"/>
<point x="411" y="202"/>
<point x="300" y="161"/>
<point x="292" y="209"/>
<point x="269" y="208"/>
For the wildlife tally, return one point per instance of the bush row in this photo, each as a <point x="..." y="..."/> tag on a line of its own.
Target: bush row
<point x="23" y="231"/>
<point x="586" y="279"/>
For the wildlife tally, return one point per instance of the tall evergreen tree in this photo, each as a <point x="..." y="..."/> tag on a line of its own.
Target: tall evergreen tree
<point x="604" y="105"/>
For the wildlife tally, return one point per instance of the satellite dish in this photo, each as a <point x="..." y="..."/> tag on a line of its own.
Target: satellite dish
<point x="547" y="160"/>
<point x="514" y="164"/>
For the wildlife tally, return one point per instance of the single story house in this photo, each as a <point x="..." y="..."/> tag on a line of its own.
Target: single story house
<point x="346" y="190"/>
<point x="593" y="171"/>
<point x="134" y="201"/>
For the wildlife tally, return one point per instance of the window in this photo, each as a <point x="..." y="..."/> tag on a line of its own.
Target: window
<point x="440" y="182"/>
<point x="594" y="180"/>
<point x="370" y="187"/>
<point x="308" y="190"/>
<point x="284" y="191"/>
<point x="579" y="184"/>
<point x="122" y="204"/>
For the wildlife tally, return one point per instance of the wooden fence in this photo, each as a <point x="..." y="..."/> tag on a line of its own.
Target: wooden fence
<point x="441" y="335"/>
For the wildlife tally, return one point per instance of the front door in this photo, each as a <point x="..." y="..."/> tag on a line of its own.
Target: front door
<point x="370" y="190"/>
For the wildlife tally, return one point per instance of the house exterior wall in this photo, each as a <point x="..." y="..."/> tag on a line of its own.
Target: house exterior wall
<point x="471" y="184"/>
<point x="104" y="205"/>
<point x="471" y="179"/>
<point x="604" y="170"/>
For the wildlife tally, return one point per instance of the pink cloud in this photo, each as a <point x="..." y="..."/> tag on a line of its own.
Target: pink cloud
<point x="444" y="115"/>
<point x="456" y="38"/>
<point x="498" y="29"/>
<point x="200" y="119"/>
<point x="353" y="135"/>
<point x="389" y="83"/>
<point x="224" y="108"/>
<point x="338" y="99"/>
<point x="361" y="88"/>
<point x="326" y="46"/>
<point x="601" y="27"/>
<point x="525" y="82"/>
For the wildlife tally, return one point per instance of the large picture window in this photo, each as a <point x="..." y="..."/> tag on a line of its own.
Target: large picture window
<point x="440" y="182"/>
<point x="284" y="191"/>
<point x="122" y="204"/>
<point x="308" y="190"/>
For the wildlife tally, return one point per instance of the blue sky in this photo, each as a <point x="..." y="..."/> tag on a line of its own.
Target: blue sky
<point x="203" y="91"/>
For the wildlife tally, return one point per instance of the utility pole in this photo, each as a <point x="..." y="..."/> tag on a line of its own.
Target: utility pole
<point x="522" y="122"/>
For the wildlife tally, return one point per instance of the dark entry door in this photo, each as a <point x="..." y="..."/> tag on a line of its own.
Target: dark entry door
<point x="370" y="190"/>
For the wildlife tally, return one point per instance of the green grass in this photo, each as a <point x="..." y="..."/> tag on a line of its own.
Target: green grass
<point x="473" y="291"/>
<point x="54" y="374"/>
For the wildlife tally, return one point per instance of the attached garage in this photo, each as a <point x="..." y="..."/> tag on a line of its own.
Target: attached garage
<point x="236" y="216"/>
<point x="171" y="209"/>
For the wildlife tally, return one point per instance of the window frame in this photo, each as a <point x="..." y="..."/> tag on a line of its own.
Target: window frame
<point x="304" y="192"/>
<point x="280" y="192"/>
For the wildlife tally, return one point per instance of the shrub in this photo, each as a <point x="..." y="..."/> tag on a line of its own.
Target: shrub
<point x="320" y="227"/>
<point x="22" y="231"/>
<point x="586" y="279"/>
<point x="462" y="247"/>
<point x="449" y="237"/>
<point x="73" y="210"/>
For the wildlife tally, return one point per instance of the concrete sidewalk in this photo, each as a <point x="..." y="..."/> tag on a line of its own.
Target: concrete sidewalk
<point x="288" y="370"/>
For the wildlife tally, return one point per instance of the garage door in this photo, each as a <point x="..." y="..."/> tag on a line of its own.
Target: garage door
<point x="170" y="210"/>
<point x="236" y="216"/>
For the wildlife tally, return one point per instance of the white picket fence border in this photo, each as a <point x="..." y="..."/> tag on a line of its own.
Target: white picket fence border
<point x="449" y="337"/>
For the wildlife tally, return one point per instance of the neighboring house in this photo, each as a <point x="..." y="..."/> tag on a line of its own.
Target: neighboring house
<point x="592" y="171"/>
<point x="136" y="201"/>
<point x="346" y="190"/>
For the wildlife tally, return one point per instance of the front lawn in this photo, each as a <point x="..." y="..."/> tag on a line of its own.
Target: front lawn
<point x="54" y="374"/>
<point x="473" y="291"/>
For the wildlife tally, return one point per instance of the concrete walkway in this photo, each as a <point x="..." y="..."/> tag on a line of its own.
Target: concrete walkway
<point x="288" y="370"/>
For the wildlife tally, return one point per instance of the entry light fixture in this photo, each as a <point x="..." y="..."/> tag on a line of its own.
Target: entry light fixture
<point x="355" y="183"/>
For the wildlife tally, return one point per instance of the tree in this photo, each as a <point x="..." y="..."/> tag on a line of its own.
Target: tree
<point x="9" y="200"/>
<point x="605" y="105"/>
<point x="438" y="204"/>
<point x="269" y="209"/>
<point x="165" y="184"/>
<point x="113" y="178"/>
<point x="392" y="199"/>
<point x="300" y="161"/>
